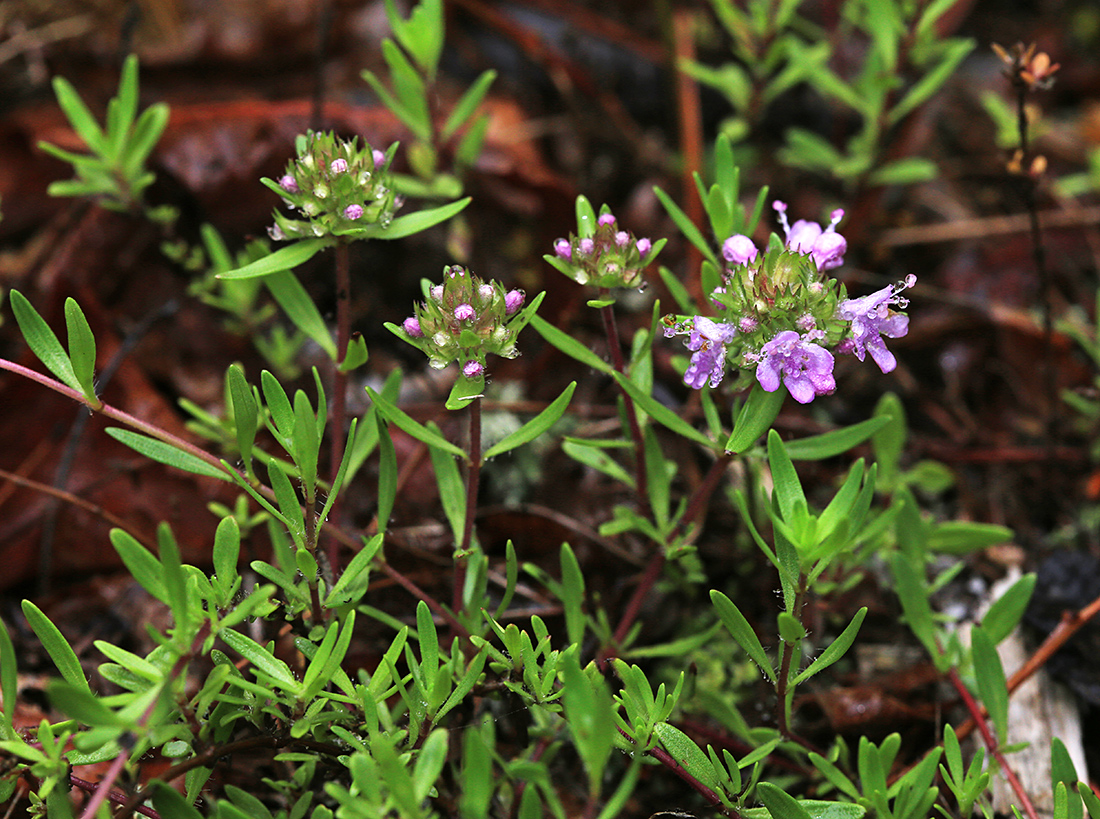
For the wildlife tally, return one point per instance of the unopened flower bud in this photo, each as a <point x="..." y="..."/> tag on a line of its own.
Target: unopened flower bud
<point x="437" y="293"/>
<point x="563" y="248"/>
<point x="353" y="212"/>
<point x="339" y="165"/>
<point x="586" y="246"/>
<point x="289" y="184"/>
<point x="485" y="291"/>
<point x="513" y="300"/>
<point x="412" y="327"/>
<point x="621" y="238"/>
<point x="739" y="249"/>
<point x="644" y="246"/>
<point x="379" y="158"/>
<point x="606" y="219"/>
<point x="472" y="369"/>
<point x="464" y="312"/>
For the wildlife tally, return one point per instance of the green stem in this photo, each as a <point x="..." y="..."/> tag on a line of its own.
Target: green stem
<point x="473" y="480"/>
<point x="338" y="411"/>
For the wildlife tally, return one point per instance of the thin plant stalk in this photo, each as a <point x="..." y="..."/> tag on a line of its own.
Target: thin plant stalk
<point x="338" y="412"/>
<point x="473" y="479"/>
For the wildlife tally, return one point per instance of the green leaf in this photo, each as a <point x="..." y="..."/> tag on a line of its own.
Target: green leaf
<point x="414" y="428"/>
<point x="300" y="309"/>
<point x="990" y="676"/>
<point x="175" y="582"/>
<point x="467" y="104"/>
<point x="572" y="595"/>
<point x="465" y="390"/>
<point x="1006" y="611"/>
<point x="536" y="426"/>
<point x="686" y="226"/>
<point x="956" y="537"/>
<point x="9" y="685"/>
<point x="408" y="224"/>
<point x="790" y="498"/>
<point x="62" y="654"/>
<point x="262" y="660"/>
<point x="570" y="346"/>
<point x="79" y="116"/>
<point x="907" y="171"/>
<point x="356" y="355"/>
<point x="592" y="455"/>
<point x="81" y="348"/>
<point x="278" y="404"/>
<point x="742" y="632"/>
<point x="141" y="563"/>
<point x="285" y="258"/>
<point x="660" y="413"/>
<point x="167" y="454"/>
<point x="834" y="442"/>
<point x="913" y="594"/>
<point x="452" y="490"/>
<point x="757" y="414"/>
<point x="779" y="803"/>
<point x="387" y="473"/>
<point x="171" y="804"/>
<point x="81" y="704"/>
<point x="429" y="647"/>
<point x="836" y="649"/>
<point x="245" y="412"/>
<point x="691" y="757"/>
<point x="42" y="341"/>
<point x="588" y="711"/>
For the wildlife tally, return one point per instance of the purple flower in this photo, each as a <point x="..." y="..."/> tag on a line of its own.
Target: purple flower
<point x="513" y="300"/>
<point x="339" y="165"/>
<point x="353" y="212"/>
<point x="825" y="246"/>
<point x="412" y="327"/>
<point x="872" y="319"/>
<point x="472" y="369"/>
<point x="739" y="249"/>
<point x="806" y="368"/>
<point x="437" y="293"/>
<point x="586" y="246"/>
<point x="378" y="157"/>
<point x="563" y="249"/>
<point x="708" y="340"/>
<point x="621" y="238"/>
<point x="289" y="184"/>
<point x="485" y="291"/>
<point x="464" y="312"/>
<point x="606" y="219"/>
<point x="644" y="246"/>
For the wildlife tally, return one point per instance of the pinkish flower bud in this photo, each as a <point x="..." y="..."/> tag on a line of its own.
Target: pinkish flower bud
<point x="437" y="293"/>
<point x="353" y="212"/>
<point x="621" y="238"/>
<point x="379" y="158"/>
<point x="563" y="249"/>
<point x="472" y="369"/>
<point x="739" y="249"/>
<point x="464" y="312"/>
<point x="339" y="165"/>
<point x="644" y="246"/>
<point x="606" y="219"/>
<point x="412" y="327"/>
<point x="513" y="300"/>
<point x="485" y="291"/>
<point x="586" y="246"/>
<point x="289" y="184"/>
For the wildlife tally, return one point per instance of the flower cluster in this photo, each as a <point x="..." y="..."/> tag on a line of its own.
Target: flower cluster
<point x="336" y="185"/>
<point x="464" y="319"/>
<point x="604" y="254"/>
<point x="783" y="314"/>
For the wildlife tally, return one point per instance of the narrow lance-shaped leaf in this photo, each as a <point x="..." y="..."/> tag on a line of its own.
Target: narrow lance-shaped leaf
<point x="42" y="341"/>
<point x="660" y="413"/>
<point x="990" y="675"/>
<point x="742" y="632"/>
<point x="536" y="426"/>
<point x="408" y="224"/>
<point x="757" y="414"/>
<point x="285" y="258"/>
<point x="413" y="427"/>
<point x="62" y="654"/>
<point x="836" y="649"/>
<point x="245" y="412"/>
<point x="570" y="346"/>
<point x="81" y="349"/>
<point x="167" y="454"/>
<point x="300" y="309"/>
